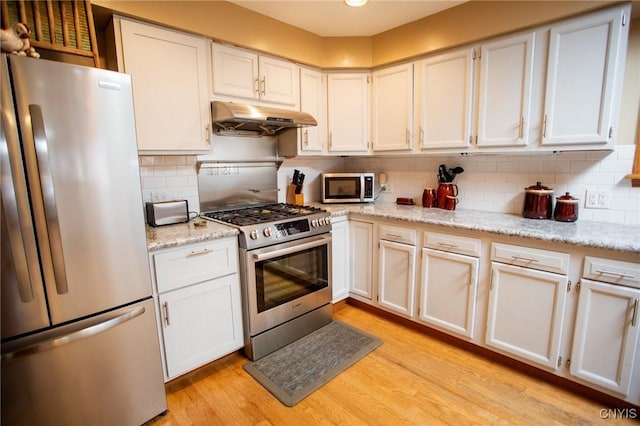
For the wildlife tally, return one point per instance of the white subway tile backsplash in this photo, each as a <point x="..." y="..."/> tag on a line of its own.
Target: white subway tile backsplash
<point x="489" y="182"/>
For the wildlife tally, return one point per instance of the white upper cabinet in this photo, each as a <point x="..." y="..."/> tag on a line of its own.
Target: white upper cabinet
<point x="504" y="91"/>
<point x="584" y="79"/>
<point x="392" y="108"/>
<point x="244" y="74"/>
<point x="170" y="76"/>
<point x="348" y="112"/>
<point x="312" y="101"/>
<point x="445" y="96"/>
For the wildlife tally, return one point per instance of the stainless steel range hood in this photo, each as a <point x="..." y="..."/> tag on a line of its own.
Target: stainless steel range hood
<point x="230" y="118"/>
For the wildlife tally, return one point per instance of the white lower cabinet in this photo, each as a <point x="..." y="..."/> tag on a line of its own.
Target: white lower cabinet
<point x="605" y="343"/>
<point x="197" y="288"/>
<point x="526" y="306"/>
<point x="361" y="258"/>
<point x="449" y="283"/>
<point x="200" y="323"/>
<point x="339" y="258"/>
<point x="397" y="269"/>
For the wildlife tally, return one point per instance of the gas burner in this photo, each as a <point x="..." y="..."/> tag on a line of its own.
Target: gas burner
<point x="261" y="226"/>
<point x="263" y="214"/>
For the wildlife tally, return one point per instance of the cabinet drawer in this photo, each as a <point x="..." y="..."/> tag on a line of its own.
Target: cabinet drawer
<point x="397" y="234"/>
<point x="452" y="243"/>
<point x="612" y="271"/>
<point x="195" y="263"/>
<point x="544" y="260"/>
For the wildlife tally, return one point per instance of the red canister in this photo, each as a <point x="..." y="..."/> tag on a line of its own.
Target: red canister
<point x="537" y="202"/>
<point x="566" y="208"/>
<point x="429" y="197"/>
<point x="444" y="190"/>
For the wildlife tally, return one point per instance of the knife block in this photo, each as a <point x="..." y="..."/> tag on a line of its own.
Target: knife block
<point x="293" y="198"/>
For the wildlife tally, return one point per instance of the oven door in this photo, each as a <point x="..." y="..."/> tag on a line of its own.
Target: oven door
<point x="287" y="280"/>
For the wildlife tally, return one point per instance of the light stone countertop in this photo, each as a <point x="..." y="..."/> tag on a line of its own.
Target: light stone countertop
<point x="583" y="233"/>
<point x="168" y="236"/>
<point x="609" y="236"/>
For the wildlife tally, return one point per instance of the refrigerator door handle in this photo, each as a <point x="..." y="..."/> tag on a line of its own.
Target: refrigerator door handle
<point x="49" y="198"/>
<point x="54" y="342"/>
<point x="15" y="209"/>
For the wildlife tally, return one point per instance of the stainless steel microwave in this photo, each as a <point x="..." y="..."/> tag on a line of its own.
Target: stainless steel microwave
<point x="347" y="187"/>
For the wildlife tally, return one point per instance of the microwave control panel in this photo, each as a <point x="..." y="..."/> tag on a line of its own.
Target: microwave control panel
<point x="368" y="187"/>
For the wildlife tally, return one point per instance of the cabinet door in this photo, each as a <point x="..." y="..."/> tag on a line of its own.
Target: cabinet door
<point x="586" y="63"/>
<point x="170" y="76"/>
<point x="449" y="288"/>
<point x="201" y="323"/>
<point x="235" y="72"/>
<point x="606" y="335"/>
<point x="446" y="100"/>
<point x="504" y="98"/>
<point x="397" y="277"/>
<point x="361" y="258"/>
<point x="526" y="310"/>
<point x="279" y="81"/>
<point x="312" y="101"/>
<point x="392" y="93"/>
<point x="340" y="259"/>
<point x="348" y="112"/>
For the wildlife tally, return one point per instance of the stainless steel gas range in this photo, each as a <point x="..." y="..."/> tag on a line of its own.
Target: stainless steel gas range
<point x="285" y="254"/>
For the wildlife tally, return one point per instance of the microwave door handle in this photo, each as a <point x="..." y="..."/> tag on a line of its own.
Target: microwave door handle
<point x="49" y="198"/>
<point x="316" y="242"/>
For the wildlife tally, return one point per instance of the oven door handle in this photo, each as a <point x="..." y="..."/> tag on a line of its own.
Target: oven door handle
<point x="311" y="243"/>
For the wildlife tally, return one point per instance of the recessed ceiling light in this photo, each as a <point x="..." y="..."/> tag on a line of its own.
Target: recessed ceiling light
<point x="355" y="3"/>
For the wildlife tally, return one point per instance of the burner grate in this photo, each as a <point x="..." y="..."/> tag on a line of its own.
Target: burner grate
<point x="256" y="215"/>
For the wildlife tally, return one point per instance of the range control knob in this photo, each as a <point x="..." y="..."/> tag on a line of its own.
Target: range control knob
<point x="314" y="222"/>
<point x="254" y="234"/>
<point x="267" y="232"/>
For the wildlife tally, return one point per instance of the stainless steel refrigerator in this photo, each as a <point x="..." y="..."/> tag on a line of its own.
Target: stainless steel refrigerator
<point x="79" y="340"/>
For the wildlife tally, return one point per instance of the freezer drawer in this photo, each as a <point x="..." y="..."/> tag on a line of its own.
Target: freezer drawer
<point x="106" y="371"/>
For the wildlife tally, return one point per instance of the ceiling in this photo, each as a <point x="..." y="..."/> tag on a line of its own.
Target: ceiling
<point x="332" y="18"/>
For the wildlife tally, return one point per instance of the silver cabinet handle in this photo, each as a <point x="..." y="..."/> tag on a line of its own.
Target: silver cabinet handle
<point x="634" y="317"/>
<point x="306" y="137"/>
<point x="15" y="200"/>
<point x="544" y="126"/>
<point x="257" y="86"/>
<point x="614" y="273"/>
<point x="263" y="90"/>
<point x="408" y="139"/>
<point x="447" y="246"/>
<point x="199" y="252"/>
<point x="166" y="313"/>
<point x="49" y="198"/>
<point x="54" y="342"/>
<point x="524" y="259"/>
<point x="521" y="130"/>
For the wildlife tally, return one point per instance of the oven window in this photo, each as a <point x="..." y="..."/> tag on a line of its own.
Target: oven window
<point x="343" y="188"/>
<point x="285" y="278"/>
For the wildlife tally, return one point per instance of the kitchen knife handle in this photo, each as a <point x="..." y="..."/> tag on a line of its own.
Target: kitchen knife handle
<point x="49" y="199"/>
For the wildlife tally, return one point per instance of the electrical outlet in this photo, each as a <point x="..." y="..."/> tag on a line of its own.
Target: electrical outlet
<point x="158" y="196"/>
<point x="597" y="199"/>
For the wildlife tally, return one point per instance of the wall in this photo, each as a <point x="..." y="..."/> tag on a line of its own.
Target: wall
<point x="489" y="182"/>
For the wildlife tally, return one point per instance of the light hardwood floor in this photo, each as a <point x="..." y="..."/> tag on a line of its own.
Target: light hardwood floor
<point x="411" y="379"/>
